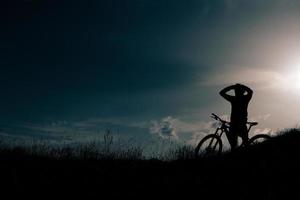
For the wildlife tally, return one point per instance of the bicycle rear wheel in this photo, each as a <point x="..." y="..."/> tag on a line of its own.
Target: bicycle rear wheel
<point x="258" y="139"/>
<point x="209" y="145"/>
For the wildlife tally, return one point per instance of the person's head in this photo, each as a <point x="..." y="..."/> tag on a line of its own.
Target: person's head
<point x="239" y="91"/>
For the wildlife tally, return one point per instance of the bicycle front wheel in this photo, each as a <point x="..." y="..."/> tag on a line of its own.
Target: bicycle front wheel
<point x="258" y="139"/>
<point x="209" y="145"/>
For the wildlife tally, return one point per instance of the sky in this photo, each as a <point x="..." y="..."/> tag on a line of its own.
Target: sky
<point x="70" y="70"/>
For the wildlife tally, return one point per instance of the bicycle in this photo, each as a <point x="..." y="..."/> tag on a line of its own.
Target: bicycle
<point x="212" y="143"/>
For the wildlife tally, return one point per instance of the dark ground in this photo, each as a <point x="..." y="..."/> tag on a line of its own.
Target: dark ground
<point x="267" y="171"/>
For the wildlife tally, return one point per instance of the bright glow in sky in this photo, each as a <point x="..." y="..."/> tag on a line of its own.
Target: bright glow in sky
<point x="293" y="77"/>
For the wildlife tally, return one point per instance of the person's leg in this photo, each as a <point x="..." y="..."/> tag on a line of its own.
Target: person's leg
<point x="232" y="138"/>
<point x="244" y="135"/>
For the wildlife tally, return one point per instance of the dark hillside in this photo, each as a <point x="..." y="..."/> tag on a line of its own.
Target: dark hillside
<point x="267" y="171"/>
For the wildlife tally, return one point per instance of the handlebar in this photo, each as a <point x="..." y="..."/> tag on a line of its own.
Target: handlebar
<point x="216" y="117"/>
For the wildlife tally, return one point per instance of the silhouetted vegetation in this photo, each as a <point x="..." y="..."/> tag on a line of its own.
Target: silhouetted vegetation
<point x="262" y="171"/>
<point x="101" y="150"/>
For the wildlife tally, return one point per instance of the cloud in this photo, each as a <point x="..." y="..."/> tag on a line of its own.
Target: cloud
<point x="287" y="80"/>
<point x="260" y="78"/>
<point x="266" y="131"/>
<point x="85" y="130"/>
<point x="164" y="128"/>
<point x="262" y="117"/>
<point x="176" y="128"/>
<point x="265" y="116"/>
<point x="94" y="122"/>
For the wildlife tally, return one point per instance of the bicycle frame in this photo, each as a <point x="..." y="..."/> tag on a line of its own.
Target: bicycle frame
<point x="226" y="125"/>
<point x="221" y="130"/>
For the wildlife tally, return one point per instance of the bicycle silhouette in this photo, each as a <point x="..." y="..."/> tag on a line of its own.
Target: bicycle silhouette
<point x="212" y="143"/>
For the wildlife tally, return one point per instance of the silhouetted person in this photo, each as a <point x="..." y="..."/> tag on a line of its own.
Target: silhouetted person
<point x="239" y="114"/>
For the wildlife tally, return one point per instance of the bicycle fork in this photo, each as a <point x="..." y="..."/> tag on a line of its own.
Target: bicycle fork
<point x="211" y="142"/>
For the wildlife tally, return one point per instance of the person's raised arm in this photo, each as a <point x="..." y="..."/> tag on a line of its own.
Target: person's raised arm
<point x="224" y="94"/>
<point x="248" y="90"/>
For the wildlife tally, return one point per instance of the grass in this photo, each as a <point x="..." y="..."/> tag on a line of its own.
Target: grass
<point x="110" y="149"/>
<point x="107" y="149"/>
<point x="82" y="151"/>
<point x="263" y="171"/>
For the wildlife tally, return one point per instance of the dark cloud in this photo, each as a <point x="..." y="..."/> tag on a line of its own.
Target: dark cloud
<point x="55" y="55"/>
